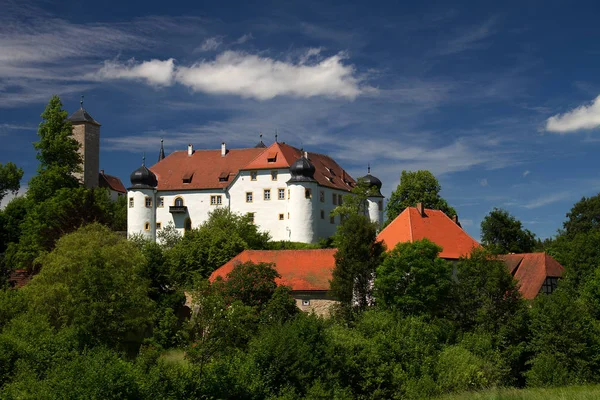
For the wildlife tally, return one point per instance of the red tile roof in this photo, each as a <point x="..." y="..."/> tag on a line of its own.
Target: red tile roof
<point x="302" y="270"/>
<point x="111" y="182"/>
<point x="436" y="226"/>
<point x="531" y="270"/>
<point x="206" y="166"/>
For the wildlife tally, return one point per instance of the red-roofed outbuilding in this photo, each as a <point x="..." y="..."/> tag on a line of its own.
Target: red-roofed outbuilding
<point x="535" y="272"/>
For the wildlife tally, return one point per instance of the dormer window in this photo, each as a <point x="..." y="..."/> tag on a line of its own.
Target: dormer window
<point x="330" y="171"/>
<point x="224" y="177"/>
<point x="187" y="177"/>
<point x="272" y="157"/>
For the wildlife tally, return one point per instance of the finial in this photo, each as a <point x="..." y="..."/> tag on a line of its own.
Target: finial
<point x="161" y="142"/>
<point x="144" y="160"/>
<point x="81" y="101"/>
<point x="276" y="135"/>
<point x="161" y="153"/>
<point x="369" y="168"/>
<point x="260" y="136"/>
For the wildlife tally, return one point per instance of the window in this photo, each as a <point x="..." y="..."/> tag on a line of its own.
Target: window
<point x="147" y="226"/>
<point x="253" y="175"/>
<point x="161" y="202"/>
<point x="131" y="202"/>
<point x="380" y="205"/>
<point x="281" y="194"/>
<point x="248" y="197"/>
<point x="322" y="214"/>
<point x="178" y="202"/>
<point x="281" y="216"/>
<point x="322" y="196"/>
<point x="288" y="215"/>
<point x="216" y="200"/>
<point x="549" y="285"/>
<point x="251" y="217"/>
<point x="273" y="175"/>
<point x="158" y="225"/>
<point x="288" y="194"/>
<point x="148" y="202"/>
<point x="187" y="225"/>
<point x="334" y="198"/>
<point x="340" y="201"/>
<point x="307" y="193"/>
<point x="267" y="194"/>
<point x="306" y="302"/>
<point x="332" y="219"/>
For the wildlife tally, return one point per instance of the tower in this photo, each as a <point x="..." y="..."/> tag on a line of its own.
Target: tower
<point x="141" y="203"/>
<point x="302" y="206"/>
<point x="86" y="130"/>
<point x="375" y="201"/>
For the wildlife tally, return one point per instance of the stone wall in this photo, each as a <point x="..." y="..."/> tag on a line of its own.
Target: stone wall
<point x="88" y="136"/>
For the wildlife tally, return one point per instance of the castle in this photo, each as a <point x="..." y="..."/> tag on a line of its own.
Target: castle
<point x="286" y="191"/>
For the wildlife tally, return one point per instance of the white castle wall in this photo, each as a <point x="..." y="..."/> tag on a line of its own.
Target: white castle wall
<point x="375" y="212"/>
<point x="303" y="214"/>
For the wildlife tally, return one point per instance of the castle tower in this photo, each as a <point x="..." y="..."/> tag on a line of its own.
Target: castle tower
<point x="141" y="203"/>
<point x="86" y="130"/>
<point x="302" y="201"/>
<point x="375" y="201"/>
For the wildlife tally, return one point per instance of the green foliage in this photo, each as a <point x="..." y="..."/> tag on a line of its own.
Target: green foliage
<point x="11" y="219"/>
<point x="356" y="203"/>
<point x="252" y="284"/>
<point x="57" y="153"/>
<point x="168" y="236"/>
<point x="356" y="259"/>
<point x="580" y="255"/>
<point x="460" y="370"/>
<point x="10" y="179"/>
<point x="502" y="233"/>
<point x="417" y="187"/>
<point x="221" y="237"/>
<point x="413" y="280"/>
<point x="584" y="217"/>
<point x="90" y="281"/>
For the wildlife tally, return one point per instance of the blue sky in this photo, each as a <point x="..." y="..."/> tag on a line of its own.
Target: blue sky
<point x="497" y="99"/>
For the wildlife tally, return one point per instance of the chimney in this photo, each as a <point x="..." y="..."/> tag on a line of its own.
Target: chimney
<point x="455" y="219"/>
<point x="421" y="209"/>
<point x="223" y="149"/>
<point x="190" y="149"/>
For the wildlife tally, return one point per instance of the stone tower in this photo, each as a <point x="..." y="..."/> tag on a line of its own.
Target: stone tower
<point x="86" y="130"/>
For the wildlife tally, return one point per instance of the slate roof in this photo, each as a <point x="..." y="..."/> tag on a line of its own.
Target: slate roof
<point x="206" y="166"/>
<point x="302" y="270"/>
<point x="531" y="270"/>
<point x="82" y="116"/>
<point x="436" y="226"/>
<point x="111" y="182"/>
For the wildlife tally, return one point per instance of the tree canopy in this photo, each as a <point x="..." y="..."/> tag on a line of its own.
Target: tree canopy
<point x="10" y="179"/>
<point x="583" y="217"/>
<point x="417" y="187"/>
<point x="502" y="233"/>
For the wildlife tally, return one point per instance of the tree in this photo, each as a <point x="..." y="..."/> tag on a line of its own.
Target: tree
<point x="57" y="153"/>
<point x="417" y="187"/>
<point x="10" y="179"/>
<point x="356" y="259"/>
<point x="413" y="279"/>
<point x="91" y="282"/>
<point x="502" y="233"/>
<point x="583" y="217"/>
<point x="355" y="203"/>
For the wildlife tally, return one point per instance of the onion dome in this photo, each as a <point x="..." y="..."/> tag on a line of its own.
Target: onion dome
<point x="143" y="178"/>
<point x="302" y="170"/>
<point x="372" y="181"/>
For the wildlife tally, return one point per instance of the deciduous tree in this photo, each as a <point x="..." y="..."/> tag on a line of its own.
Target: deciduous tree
<point x="502" y="233"/>
<point x="10" y="179"/>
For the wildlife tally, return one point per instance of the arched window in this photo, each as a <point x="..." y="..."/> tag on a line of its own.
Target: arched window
<point x="178" y="202"/>
<point x="187" y="225"/>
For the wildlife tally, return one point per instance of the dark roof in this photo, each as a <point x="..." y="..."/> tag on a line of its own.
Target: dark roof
<point x="143" y="178"/>
<point x="373" y="181"/>
<point x="111" y="182"/>
<point x="82" y="116"/>
<point x="260" y="145"/>
<point x="302" y="170"/>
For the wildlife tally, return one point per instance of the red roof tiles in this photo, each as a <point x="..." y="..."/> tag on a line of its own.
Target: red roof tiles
<point x="302" y="270"/>
<point x="111" y="182"/>
<point x="531" y="270"/>
<point x="436" y="226"/>
<point x="206" y="167"/>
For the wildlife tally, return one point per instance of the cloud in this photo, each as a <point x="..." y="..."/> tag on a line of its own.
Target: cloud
<point x="580" y="118"/>
<point x="10" y="196"/>
<point x="526" y="173"/>
<point x="211" y="44"/>
<point x="467" y="40"/>
<point x="154" y="72"/>
<point x="548" y="199"/>
<point x="483" y="182"/>
<point x="244" y="38"/>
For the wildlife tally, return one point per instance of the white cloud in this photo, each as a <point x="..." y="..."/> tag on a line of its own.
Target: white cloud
<point x="264" y="78"/>
<point x="582" y="117"/>
<point x="154" y="72"/>
<point x="244" y="38"/>
<point x="211" y="44"/>
<point x="549" y="199"/>
<point x="483" y="182"/>
<point x="526" y="173"/>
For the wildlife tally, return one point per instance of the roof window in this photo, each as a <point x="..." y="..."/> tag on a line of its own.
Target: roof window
<point x="272" y="157"/>
<point x="187" y="177"/>
<point x="224" y="177"/>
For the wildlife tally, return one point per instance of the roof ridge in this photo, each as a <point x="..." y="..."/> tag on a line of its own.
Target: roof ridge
<point x="410" y="227"/>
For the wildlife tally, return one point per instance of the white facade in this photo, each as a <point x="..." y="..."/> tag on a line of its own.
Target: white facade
<point x="298" y="211"/>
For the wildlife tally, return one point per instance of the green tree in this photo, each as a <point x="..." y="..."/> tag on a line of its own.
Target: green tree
<point x="583" y="217"/>
<point x="417" y="187"/>
<point x="57" y="152"/>
<point x="356" y="201"/>
<point x="91" y="282"/>
<point x="414" y="280"/>
<point x="358" y="255"/>
<point x="502" y="233"/>
<point x="10" y="179"/>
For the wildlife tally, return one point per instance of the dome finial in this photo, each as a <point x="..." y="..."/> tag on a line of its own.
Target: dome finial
<point x="144" y="160"/>
<point x="368" y="168"/>
<point x="276" y="135"/>
<point x="161" y="154"/>
<point x="81" y="102"/>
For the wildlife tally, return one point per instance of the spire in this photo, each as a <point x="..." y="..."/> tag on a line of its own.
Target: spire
<point x="276" y="135"/>
<point x="144" y="160"/>
<point x="369" y="168"/>
<point x="161" y="155"/>
<point x="81" y="102"/>
<point x="260" y="145"/>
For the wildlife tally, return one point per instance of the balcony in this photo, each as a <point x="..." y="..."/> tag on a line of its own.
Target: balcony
<point x="178" y="209"/>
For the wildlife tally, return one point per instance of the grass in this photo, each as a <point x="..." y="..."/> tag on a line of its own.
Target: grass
<point x="175" y="356"/>
<point x="589" y="392"/>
